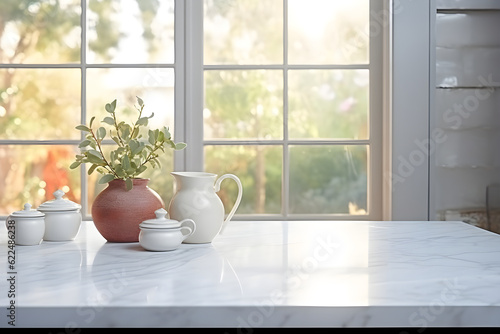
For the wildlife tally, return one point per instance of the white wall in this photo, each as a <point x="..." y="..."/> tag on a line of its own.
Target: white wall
<point x="410" y="109"/>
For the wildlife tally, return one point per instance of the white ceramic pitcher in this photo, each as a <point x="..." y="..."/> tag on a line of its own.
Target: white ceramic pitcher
<point x="195" y="198"/>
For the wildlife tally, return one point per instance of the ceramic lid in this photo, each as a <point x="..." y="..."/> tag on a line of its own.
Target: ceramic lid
<point x="28" y="212"/>
<point x="161" y="221"/>
<point x="59" y="203"/>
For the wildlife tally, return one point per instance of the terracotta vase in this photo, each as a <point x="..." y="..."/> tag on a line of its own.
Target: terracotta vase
<point x="117" y="212"/>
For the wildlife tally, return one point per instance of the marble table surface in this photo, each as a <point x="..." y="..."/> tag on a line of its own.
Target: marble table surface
<point x="262" y="274"/>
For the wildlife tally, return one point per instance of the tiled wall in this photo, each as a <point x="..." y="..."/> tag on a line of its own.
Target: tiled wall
<point x="467" y="105"/>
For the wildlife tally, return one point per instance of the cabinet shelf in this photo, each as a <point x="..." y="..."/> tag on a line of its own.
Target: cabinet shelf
<point x="468" y="166"/>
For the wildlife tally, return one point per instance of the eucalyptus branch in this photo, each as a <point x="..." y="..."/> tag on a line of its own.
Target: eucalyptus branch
<point x="117" y="131"/>
<point x="107" y="166"/>
<point x="136" y="124"/>
<point x="150" y="155"/>
<point x="128" y="157"/>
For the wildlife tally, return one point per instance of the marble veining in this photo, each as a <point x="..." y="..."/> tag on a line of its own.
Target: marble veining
<point x="272" y="273"/>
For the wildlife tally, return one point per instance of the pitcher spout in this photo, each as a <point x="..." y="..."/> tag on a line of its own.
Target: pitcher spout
<point x="194" y="174"/>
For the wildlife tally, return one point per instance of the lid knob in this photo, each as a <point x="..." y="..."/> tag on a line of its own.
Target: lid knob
<point x="161" y="213"/>
<point x="27" y="207"/>
<point x="58" y="194"/>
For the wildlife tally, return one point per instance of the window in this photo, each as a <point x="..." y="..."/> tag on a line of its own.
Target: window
<point x="287" y="105"/>
<point x="284" y="93"/>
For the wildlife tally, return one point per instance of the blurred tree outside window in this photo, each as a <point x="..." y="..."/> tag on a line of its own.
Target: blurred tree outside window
<point x="286" y="97"/>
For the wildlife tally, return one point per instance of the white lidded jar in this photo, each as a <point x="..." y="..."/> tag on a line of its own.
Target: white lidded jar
<point x="62" y="218"/>
<point x="163" y="234"/>
<point x="26" y="227"/>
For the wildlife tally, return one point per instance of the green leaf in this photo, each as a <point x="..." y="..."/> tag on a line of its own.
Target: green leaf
<point x="106" y="178"/>
<point x="82" y="127"/>
<point x="95" y="157"/>
<point x="125" y="131"/>
<point x="116" y="140"/>
<point x="141" y="169"/>
<point x="91" y="169"/>
<point x="75" y="164"/>
<point x="126" y="162"/>
<point x="135" y="133"/>
<point x="84" y="143"/>
<point x="136" y="147"/>
<point x="101" y="133"/>
<point x="180" y="146"/>
<point x="95" y="153"/>
<point x="94" y="160"/>
<point x="129" y="184"/>
<point x="133" y="168"/>
<point x="161" y="136"/>
<point x="151" y="137"/>
<point x="139" y="101"/>
<point x="142" y="121"/>
<point x="110" y="107"/>
<point x="91" y="121"/>
<point x="109" y="120"/>
<point x="119" y="171"/>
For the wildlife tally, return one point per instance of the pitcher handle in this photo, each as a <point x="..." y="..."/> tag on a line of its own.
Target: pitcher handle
<point x="238" y="198"/>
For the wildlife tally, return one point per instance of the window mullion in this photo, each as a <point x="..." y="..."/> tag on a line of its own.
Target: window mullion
<point x="179" y="96"/>
<point x="193" y="85"/>
<point x="83" y="105"/>
<point x="286" y="161"/>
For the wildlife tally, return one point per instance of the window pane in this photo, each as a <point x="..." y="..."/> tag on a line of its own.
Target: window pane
<point x="160" y="179"/>
<point x="128" y="31"/>
<point x="155" y="86"/>
<point x="328" y="104"/>
<point x="40" y="31"/>
<point x="258" y="167"/>
<point x="243" y="32"/>
<point x="39" y="103"/>
<point x="243" y="104"/>
<point x="328" y="179"/>
<point x="328" y="32"/>
<point x="31" y="174"/>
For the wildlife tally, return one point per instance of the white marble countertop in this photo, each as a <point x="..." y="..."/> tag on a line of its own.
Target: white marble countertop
<point x="270" y="274"/>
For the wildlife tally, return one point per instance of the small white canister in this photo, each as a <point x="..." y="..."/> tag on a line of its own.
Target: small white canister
<point x="62" y="218"/>
<point x="26" y="227"/>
